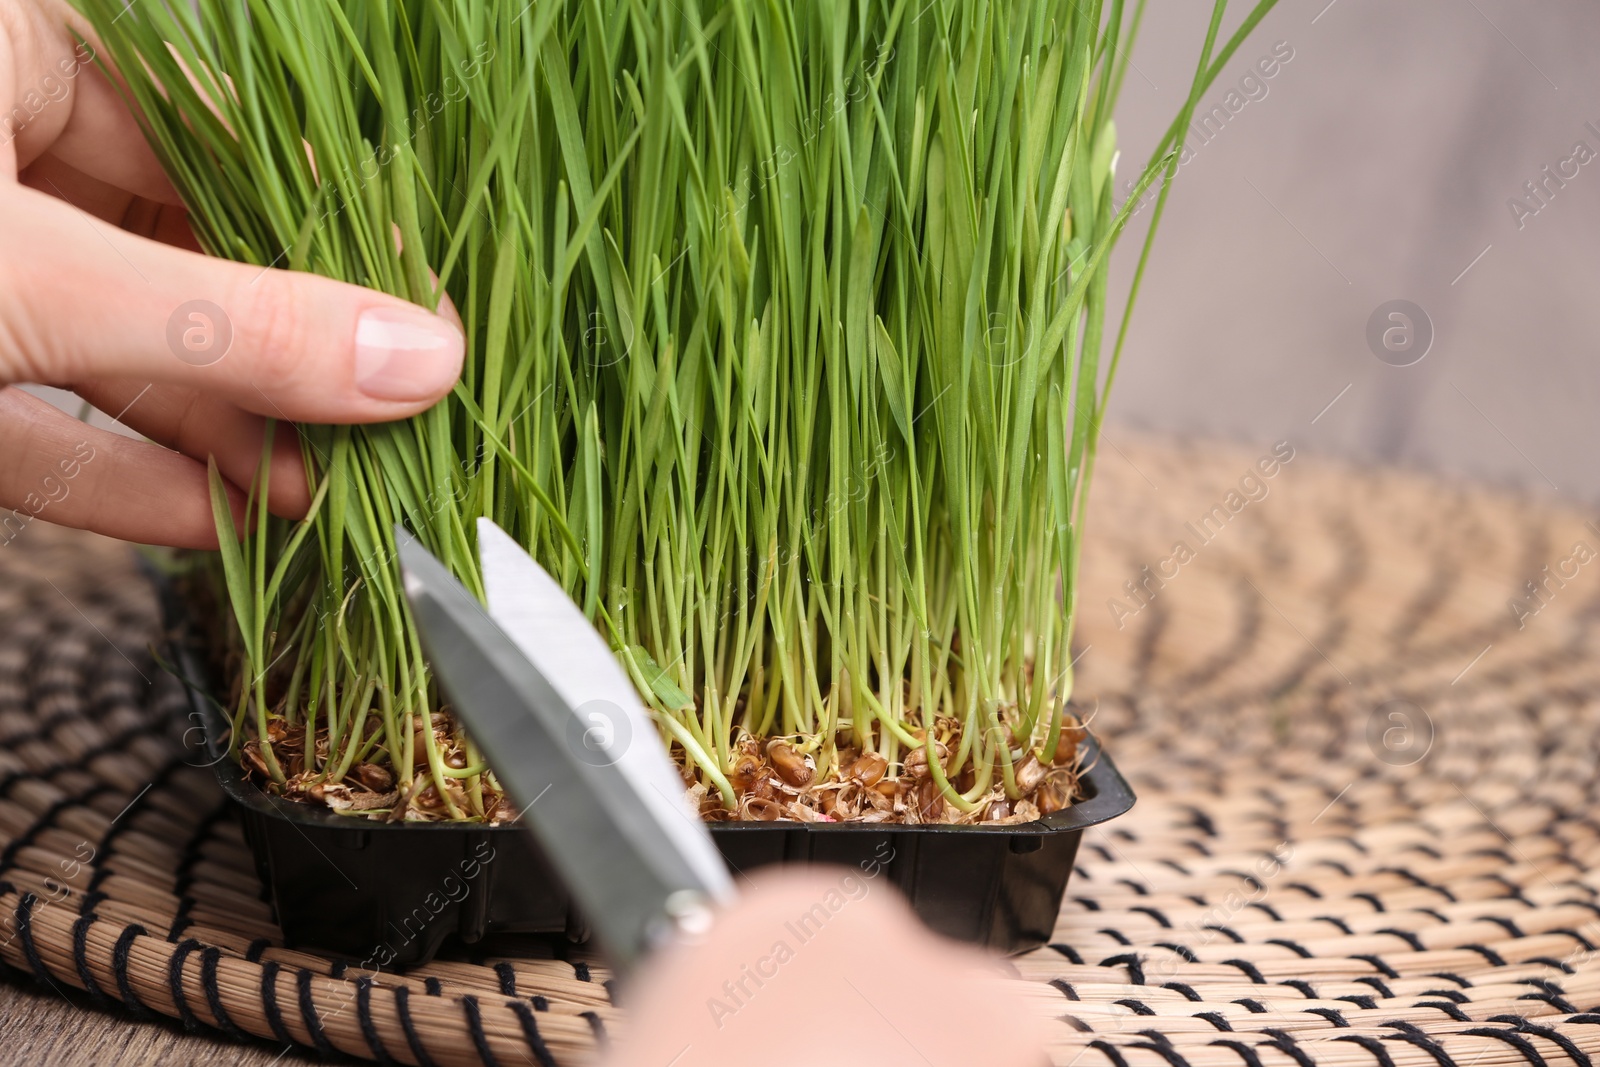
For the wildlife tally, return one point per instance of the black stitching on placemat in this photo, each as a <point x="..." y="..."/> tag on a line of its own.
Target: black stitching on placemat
<point x="1269" y="909"/>
<point x="1333" y="1015"/>
<point x="1301" y="986"/>
<point x="209" y="958"/>
<point x="1069" y="952"/>
<point x="1245" y="1052"/>
<point x="1217" y="1019"/>
<point x="1164" y="1049"/>
<point x="1154" y="913"/>
<point x="1513" y="890"/>
<point x="1250" y="970"/>
<point x="191" y="1022"/>
<point x="1131" y="884"/>
<point x="1282" y="1041"/>
<point x="41" y="728"/>
<point x="1404" y="935"/>
<point x="308" y="1013"/>
<point x="1254" y="1007"/>
<point x="508" y="978"/>
<point x="1110" y="1051"/>
<point x="338" y="969"/>
<point x="1512" y="1038"/>
<point x="1115" y="935"/>
<point x="1138" y="1007"/>
<point x="1064" y="987"/>
<point x="1370" y="898"/>
<point x="1344" y="927"/>
<point x="530" y="1033"/>
<point x="1187" y="991"/>
<point x="1088" y="904"/>
<point x="402" y="1008"/>
<point x="186" y="862"/>
<point x="117" y="828"/>
<point x="1588" y="946"/>
<point x="1376" y="983"/>
<point x="1381" y="967"/>
<point x="1448" y="1007"/>
<point x="45" y="819"/>
<point x="257" y="947"/>
<point x="119" y="970"/>
<point x="115" y="743"/>
<point x="1590" y="904"/>
<point x="80" y="959"/>
<point x="1551" y="961"/>
<point x="6" y="888"/>
<point x="1181" y="950"/>
<point x="1372" y="1045"/>
<point x="1310" y="891"/>
<point x="1363" y="1002"/>
<point x="1226" y="931"/>
<point x="1549" y="1033"/>
<point x="1453" y="995"/>
<point x="540" y="1003"/>
<point x="480" y="1040"/>
<point x="369" y="1028"/>
<point x="1297" y="949"/>
<point x="1511" y="928"/>
<point x="1129" y="960"/>
<point x="1420" y="1038"/>
<point x="30" y="951"/>
<point x="1490" y="955"/>
<point x="269" y="1001"/>
<point x="433" y="986"/>
<point x="1450" y="976"/>
<point x="581" y="969"/>
<point x="1406" y="874"/>
<point x="1561" y="1004"/>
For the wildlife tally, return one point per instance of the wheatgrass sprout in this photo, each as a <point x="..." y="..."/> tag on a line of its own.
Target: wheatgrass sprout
<point x="784" y="354"/>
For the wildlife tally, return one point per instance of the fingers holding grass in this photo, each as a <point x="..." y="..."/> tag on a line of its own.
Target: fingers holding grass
<point x="61" y="471"/>
<point x="198" y="425"/>
<point x="287" y="345"/>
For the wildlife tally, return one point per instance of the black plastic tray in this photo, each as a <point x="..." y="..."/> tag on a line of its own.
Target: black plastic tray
<point x="390" y="894"/>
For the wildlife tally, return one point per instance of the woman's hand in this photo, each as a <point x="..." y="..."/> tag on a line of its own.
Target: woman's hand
<point x="824" y="965"/>
<point x="103" y="290"/>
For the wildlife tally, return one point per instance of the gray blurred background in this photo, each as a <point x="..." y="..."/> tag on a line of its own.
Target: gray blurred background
<point x="1377" y="166"/>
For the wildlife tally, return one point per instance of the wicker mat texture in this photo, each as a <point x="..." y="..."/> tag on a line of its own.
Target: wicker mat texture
<point x="1364" y="752"/>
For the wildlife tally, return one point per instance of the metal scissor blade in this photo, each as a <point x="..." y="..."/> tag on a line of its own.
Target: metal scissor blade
<point x="614" y="727"/>
<point x="624" y="873"/>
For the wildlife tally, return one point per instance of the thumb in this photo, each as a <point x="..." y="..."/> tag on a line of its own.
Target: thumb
<point x="80" y="299"/>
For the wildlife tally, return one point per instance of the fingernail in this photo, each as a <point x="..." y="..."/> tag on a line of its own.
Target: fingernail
<point x="404" y="354"/>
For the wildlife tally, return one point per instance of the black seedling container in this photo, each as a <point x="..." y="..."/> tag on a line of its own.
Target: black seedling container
<point x="386" y="894"/>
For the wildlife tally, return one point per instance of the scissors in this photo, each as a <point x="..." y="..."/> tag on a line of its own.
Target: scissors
<point x="571" y="743"/>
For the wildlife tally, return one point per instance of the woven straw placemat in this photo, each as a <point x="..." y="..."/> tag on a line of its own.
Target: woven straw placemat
<point x="1364" y="750"/>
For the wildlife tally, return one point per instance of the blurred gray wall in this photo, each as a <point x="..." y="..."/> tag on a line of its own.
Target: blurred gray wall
<point x="1378" y="165"/>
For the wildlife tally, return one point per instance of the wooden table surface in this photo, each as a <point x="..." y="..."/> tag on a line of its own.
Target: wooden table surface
<point x="43" y="1028"/>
